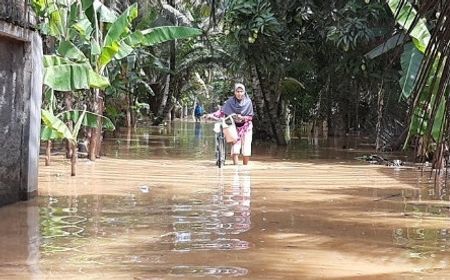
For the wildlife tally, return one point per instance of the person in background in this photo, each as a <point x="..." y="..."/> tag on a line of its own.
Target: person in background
<point x="198" y="112"/>
<point x="241" y="105"/>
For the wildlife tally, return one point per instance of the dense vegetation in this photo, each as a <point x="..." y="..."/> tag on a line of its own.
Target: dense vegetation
<point x="346" y="67"/>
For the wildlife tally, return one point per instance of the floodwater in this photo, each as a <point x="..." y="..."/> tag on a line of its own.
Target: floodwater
<point x="156" y="207"/>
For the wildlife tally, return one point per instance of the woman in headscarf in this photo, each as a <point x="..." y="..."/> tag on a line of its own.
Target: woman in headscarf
<point x="241" y="105"/>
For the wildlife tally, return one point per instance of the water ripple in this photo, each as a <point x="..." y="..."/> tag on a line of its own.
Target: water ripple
<point x="201" y="271"/>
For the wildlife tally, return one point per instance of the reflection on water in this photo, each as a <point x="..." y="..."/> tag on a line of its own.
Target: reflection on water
<point x="287" y="216"/>
<point x="20" y="241"/>
<point x="196" y="140"/>
<point x="179" y="139"/>
<point x="73" y="228"/>
<point x="430" y="202"/>
<point x="212" y="225"/>
<point x="200" y="271"/>
<point x="198" y="132"/>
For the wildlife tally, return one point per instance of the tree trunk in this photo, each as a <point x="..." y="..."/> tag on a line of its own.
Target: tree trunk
<point x="97" y="102"/>
<point x="73" y="160"/>
<point x="162" y="104"/>
<point x="263" y="129"/>
<point x="69" y="105"/>
<point x="315" y="132"/>
<point x="167" y="102"/>
<point x="129" y="111"/>
<point x="358" y="98"/>
<point x="48" y="152"/>
<point x="129" y="134"/>
<point x="276" y="108"/>
<point x="439" y="156"/>
<point x="170" y="102"/>
<point x="380" y="105"/>
<point x="96" y="133"/>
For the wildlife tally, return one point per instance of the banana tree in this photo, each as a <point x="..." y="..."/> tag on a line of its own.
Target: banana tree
<point x="55" y="128"/>
<point x="424" y="79"/>
<point x="83" y="53"/>
<point x="421" y="79"/>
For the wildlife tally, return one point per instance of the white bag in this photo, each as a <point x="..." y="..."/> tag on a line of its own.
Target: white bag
<point x="230" y="131"/>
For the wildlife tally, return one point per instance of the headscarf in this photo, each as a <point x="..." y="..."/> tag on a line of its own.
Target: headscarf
<point x="236" y="106"/>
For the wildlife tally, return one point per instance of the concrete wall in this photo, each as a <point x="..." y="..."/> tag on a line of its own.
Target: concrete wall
<point x="20" y="99"/>
<point x="17" y="12"/>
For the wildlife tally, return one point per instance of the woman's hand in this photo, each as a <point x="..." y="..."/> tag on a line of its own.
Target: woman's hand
<point x="240" y="118"/>
<point x="244" y="118"/>
<point x="212" y="117"/>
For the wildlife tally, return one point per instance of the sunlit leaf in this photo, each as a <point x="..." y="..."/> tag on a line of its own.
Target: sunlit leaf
<point x="89" y="119"/>
<point x="58" y="127"/>
<point x="162" y="34"/>
<point x="405" y="15"/>
<point x="410" y="62"/>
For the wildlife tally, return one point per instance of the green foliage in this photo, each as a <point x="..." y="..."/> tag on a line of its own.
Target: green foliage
<point x="72" y="70"/>
<point x="410" y="61"/>
<point x="386" y="46"/>
<point x="423" y="122"/>
<point x="249" y="24"/>
<point x="354" y="24"/>
<point x="68" y="50"/>
<point x="405" y="15"/>
<point x="157" y="35"/>
<point x="113" y="44"/>
<point x="114" y="113"/>
<point x="89" y="119"/>
<point x="54" y="128"/>
<point x="64" y="75"/>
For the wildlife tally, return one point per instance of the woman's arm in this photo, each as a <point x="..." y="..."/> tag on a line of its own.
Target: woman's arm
<point x="216" y="115"/>
<point x="245" y="118"/>
<point x="248" y="118"/>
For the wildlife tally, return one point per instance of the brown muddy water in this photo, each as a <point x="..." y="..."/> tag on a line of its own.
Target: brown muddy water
<point x="156" y="207"/>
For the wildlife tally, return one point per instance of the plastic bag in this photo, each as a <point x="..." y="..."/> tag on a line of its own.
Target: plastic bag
<point x="230" y="131"/>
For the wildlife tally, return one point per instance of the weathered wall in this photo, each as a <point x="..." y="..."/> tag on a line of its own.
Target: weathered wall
<point x="12" y="117"/>
<point x="17" y="12"/>
<point x="34" y="72"/>
<point x="20" y="99"/>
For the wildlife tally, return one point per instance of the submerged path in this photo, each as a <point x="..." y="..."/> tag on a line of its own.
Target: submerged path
<point x="185" y="219"/>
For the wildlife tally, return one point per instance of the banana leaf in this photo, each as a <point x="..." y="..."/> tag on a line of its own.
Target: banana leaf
<point x="420" y="120"/>
<point x="89" y="119"/>
<point x="383" y="48"/>
<point x="410" y="62"/>
<point x="405" y="15"/>
<point x="90" y="7"/>
<point x="54" y="128"/>
<point x="68" y="50"/>
<point x="117" y="31"/>
<point x="64" y="75"/>
<point x="162" y="34"/>
<point x="84" y="28"/>
<point x="78" y="124"/>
